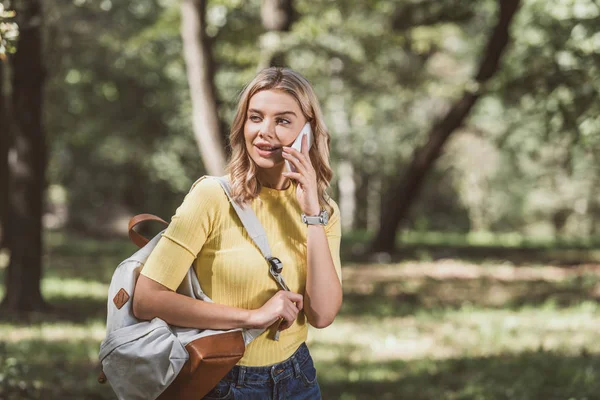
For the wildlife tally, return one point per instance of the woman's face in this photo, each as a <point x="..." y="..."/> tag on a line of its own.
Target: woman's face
<point x="273" y="120"/>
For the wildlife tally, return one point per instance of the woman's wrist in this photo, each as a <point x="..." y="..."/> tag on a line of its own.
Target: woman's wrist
<point x="249" y="319"/>
<point x="313" y="212"/>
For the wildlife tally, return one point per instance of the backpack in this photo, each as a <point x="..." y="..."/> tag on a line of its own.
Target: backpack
<point x="144" y="359"/>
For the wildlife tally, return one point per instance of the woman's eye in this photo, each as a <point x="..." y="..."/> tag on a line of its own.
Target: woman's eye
<point x="283" y="121"/>
<point x="254" y="118"/>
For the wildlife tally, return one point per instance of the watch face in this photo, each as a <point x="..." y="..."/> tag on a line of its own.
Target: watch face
<point x="325" y="216"/>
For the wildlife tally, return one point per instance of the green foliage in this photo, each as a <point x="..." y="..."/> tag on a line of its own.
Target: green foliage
<point x="117" y="131"/>
<point x="12" y="372"/>
<point x="9" y="32"/>
<point x="540" y="118"/>
<point x="118" y="109"/>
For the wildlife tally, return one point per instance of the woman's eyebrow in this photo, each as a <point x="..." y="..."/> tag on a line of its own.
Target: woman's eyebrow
<point x="250" y="110"/>
<point x="287" y="112"/>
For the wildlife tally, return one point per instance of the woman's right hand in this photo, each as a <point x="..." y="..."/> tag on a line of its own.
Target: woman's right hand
<point x="283" y="304"/>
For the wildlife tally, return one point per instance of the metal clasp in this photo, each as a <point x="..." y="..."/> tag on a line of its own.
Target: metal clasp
<point x="275" y="268"/>
<point x="275" y="264"/>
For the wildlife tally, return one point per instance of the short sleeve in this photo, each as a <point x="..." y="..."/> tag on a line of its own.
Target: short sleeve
<point x="191" y="225"/>
<point x="333" y="230"/>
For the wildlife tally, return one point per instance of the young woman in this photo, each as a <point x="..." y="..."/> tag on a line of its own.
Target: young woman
<point x="206" y="231"/>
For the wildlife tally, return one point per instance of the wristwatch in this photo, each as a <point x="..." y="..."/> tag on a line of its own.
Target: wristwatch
<point x="320" y="219"/>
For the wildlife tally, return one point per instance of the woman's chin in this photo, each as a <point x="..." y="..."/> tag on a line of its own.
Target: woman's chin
<point x="266" y="163"/>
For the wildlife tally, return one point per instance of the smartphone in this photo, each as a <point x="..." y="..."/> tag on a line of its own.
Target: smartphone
<point x="306" y="131"/>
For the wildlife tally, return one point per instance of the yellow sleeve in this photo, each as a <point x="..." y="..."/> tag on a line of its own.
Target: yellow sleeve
<point x="333" y="230"/>
<point x="179" y="245"/>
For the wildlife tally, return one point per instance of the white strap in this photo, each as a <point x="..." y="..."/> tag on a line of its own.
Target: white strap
<point x="249" y="220"/>
<point x="257" y="233"/>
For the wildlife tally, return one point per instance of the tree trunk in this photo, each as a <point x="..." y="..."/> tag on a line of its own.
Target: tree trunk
<point x="27" y="167"/>
<point x="347" y="200"/>
<point x="4" y="146"/>
<point x="373" y="188"/>
<point x="277" y="16"/>
<point x="361" y="196"/>
<point x="200" y="72"/>
<point x="403" y="194"/>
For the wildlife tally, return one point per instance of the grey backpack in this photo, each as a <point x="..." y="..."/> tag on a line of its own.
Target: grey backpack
<point x="141" y="359"/>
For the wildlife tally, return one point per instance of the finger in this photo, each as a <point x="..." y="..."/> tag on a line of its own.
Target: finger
<point x="284" y="325"/>
<point x="277" y="324"/>
<point x="294" y="297"/>
<point x="271" y="322"/>
<point x="297" y="300"/>
<point x="288" y="316"/>
<point x="298" y="177"/>
<point x="303" y="158"/>
<point x="304" y="146"/>
<point x="295" y="160"/>
<point x="293" y="319"/>
<point x="294" y="310"/>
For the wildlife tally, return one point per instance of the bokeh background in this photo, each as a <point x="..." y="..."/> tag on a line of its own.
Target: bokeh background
<point x="465" y="145"/>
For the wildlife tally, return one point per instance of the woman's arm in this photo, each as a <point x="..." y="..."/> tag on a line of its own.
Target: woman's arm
<point x="323" y="293"/>
<point x="152" y="299"/>
<point x="323" y="296"/>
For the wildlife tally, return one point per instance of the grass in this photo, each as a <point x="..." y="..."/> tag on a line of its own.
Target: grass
<point x="423" y="329"/>
<point x="479" y="247"/>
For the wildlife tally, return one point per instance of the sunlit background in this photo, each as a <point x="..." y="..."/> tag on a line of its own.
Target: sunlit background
<point x="472" y="275"/>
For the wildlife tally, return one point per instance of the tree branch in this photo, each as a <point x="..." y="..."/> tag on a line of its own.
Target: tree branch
<point x="403" y="194"/>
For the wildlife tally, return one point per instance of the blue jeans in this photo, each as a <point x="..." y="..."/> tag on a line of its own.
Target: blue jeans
<point x="292" y="379"/>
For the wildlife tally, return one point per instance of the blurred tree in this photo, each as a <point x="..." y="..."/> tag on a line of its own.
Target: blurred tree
<point x="549" y="93"/>
<point x="200" y="71"/>
<point x="27" y="167"/>
<point x="8" y="34"/>
<point x="117" y="115"/>
<point x="277" y="16"/>
<point x="404" y="192"/>
<point x="4" y="148"/>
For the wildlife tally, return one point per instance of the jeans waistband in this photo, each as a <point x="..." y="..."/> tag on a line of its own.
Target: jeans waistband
<point x="265" y="373"/>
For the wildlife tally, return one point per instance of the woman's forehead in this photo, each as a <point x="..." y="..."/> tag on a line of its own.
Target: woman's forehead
<point x="273" y="101"/>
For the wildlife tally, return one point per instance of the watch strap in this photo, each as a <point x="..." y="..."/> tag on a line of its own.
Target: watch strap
<point x="314" y="219"/>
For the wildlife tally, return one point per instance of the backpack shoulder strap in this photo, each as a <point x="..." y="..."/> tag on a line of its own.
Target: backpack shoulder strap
<point x="257" y="233"/>
<point x="249" y="220"/>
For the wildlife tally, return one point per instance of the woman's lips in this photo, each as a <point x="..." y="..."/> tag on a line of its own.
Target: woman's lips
<point x="267" y="153"/>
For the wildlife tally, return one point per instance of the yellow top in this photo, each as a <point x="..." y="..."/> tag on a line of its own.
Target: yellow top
<point x="207" y="232"/>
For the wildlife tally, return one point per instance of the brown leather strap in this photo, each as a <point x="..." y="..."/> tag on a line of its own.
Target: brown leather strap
<point x="102" y="378"/>
<point x="135" y="237"/>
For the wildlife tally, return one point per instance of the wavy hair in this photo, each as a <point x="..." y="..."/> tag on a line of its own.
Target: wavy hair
<point x="242" y="170"/>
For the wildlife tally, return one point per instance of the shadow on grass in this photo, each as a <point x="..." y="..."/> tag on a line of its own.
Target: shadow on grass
<point x="63" y="309"/>
<point x="94" y="261"/>
<point x="352" y="251"/>
<point x="411" y="296"/>
<point x="68" y="256"/>
<point x="532" y="375"/>
<point x="390" y="298"/>
<point x="68" y="370"/>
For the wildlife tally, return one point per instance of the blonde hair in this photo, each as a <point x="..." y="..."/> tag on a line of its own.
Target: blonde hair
<point x="242" y="170"/>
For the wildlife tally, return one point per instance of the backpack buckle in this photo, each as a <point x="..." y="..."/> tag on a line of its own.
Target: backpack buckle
<point x="275" y="268"/>
<point x="275" y="264"/>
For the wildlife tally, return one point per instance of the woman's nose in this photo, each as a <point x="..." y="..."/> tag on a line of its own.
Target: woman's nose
<point x="267" y="128"/>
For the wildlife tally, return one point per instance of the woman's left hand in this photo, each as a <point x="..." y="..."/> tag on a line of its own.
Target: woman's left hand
<point x="305" y="175"/>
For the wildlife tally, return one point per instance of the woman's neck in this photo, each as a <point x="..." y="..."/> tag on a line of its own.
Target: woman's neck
<point x="273" y="180"/>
